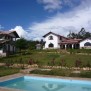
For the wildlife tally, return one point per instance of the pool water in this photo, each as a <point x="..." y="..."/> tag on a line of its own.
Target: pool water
<point x="29" y="83"/>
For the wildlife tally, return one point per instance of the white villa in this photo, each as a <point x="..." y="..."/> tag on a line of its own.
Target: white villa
<point x="56" y="41"/>
<point x="7" y="39"/>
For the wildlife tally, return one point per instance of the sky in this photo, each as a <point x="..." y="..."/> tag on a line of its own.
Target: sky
<point x="32" y="19"/>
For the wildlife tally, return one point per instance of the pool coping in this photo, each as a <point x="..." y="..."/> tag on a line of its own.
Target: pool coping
<point x="35" y="75"/>
<point x="60" y="77"/>
<point x="9" y="77"/>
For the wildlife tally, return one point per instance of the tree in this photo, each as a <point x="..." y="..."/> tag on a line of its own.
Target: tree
<point x="72" y="35"/>
<point x="82" y="34"/>
<point x="21" y="43"/>
<point x="42" y="43"/>
<point x="32" y="44"/>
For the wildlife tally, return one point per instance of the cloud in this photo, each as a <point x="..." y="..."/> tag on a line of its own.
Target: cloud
<point x="52" y="5"/>
<point x="22" y="32"/>
<point x="62" y="23"/>
<point x="25" y="33"/>
<point x="1" y="27"/>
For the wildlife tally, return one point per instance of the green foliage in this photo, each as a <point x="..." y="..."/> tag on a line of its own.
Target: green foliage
<point x="56" y="72"/>
<point x="82" y="34"/>
<point x="73" y="51"/>
<point x="7" y="71"/>
<point x="32" y="45"/>
<point x="62" y="72"/>
<point x="85" y="74"/>
<point x="48" y="58"/>
<point x="24" y="44"/>
<point x="21" y="43"/>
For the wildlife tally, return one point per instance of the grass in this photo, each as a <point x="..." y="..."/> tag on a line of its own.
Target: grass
<point x="46" y="58"/>
<point x="73" y="51"/>
<point x="7" y="71"/>
<point x="63" y="72"/>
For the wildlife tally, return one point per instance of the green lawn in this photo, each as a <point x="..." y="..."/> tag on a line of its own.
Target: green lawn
<point x="7" y="71"/>
<point x="46" y="58"/>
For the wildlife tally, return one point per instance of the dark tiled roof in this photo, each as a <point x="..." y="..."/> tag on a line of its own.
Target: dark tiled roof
<point x="9" y="33"/>
<point x="71" y="41"/>
<point x="53" y="34"/>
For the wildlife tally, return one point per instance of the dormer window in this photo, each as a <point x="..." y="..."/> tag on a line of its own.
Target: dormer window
<point x="50" y="37"/>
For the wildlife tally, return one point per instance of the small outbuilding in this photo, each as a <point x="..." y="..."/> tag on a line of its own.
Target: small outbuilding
<point x="38" y="46"/>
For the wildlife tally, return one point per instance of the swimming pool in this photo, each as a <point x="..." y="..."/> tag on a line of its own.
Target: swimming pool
<point x="30" y="83"/>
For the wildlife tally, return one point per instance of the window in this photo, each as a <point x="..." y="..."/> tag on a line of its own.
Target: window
<point x="87" y="44"/>
<point x="51" y="45"/>
<point x="60" y="38"/>
<point x="50" y="37"/>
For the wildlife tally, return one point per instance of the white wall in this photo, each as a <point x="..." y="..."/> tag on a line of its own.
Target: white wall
<point x="1" y="51"/>
<point x="55" y="41"/>
<point x="83" y="42"/>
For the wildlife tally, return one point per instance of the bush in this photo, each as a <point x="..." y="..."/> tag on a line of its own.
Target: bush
<point x="63" y="72"/>
<point x="86" y="74"/>
<point x="56" y="72"/>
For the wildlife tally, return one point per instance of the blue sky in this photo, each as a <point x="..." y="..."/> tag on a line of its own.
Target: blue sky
<point x="20" y="12"/>
<point x="34" y="18"/>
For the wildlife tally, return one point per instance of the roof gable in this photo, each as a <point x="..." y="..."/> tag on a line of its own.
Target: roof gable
<point x="53" y="34"/>
<point x="10" y="33"/>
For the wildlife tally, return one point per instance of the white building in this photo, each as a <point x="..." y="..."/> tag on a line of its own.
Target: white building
<point x="52" y="40"/>
<point x="55" y="41"/>
<point x="86" y="43"/>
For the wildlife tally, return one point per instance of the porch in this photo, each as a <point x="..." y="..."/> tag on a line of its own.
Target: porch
<point x="70" y="46"/>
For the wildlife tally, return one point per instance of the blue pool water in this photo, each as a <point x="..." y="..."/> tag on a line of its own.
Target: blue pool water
<point x="30" y="83"/>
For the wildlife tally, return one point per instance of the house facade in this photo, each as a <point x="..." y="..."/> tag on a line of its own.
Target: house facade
<point x="52" y="40"/>
<point x="55" y="41"/>
<point x="7" y="42"/>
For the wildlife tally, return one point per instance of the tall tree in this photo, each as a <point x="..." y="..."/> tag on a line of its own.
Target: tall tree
<point x="72" y="35"/>
<point x="32" y="44"/>
<point x="82" y="34"/>
<point x="21" y="43"/>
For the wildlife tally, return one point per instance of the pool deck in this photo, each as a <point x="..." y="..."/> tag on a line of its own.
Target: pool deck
<point x="19" y="75"/>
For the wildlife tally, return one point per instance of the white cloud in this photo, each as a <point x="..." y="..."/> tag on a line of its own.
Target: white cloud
<point x="51" y="5"/>
<point x="21" y="32"/>
<point x="63" y="23"/>
<point x="1" y="27"/>
<point x="25" y="33"/>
